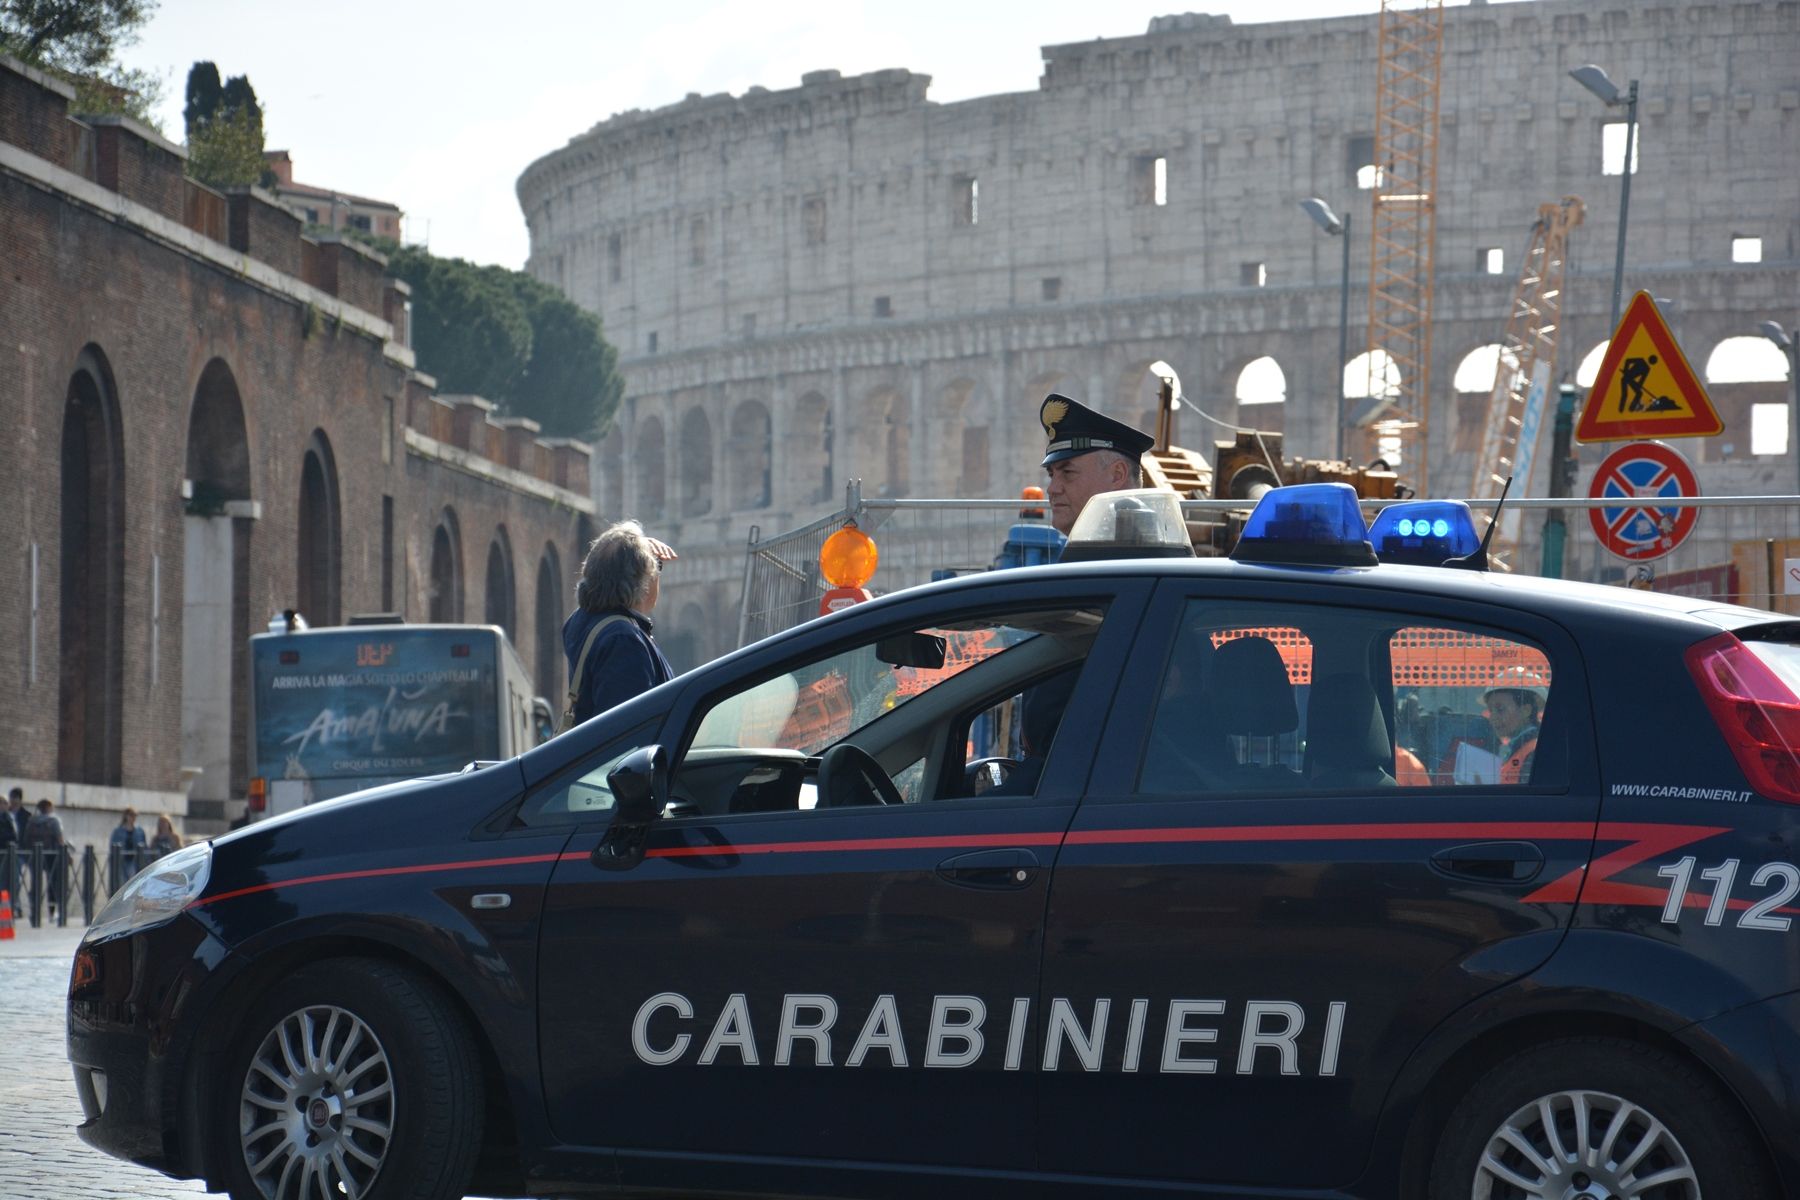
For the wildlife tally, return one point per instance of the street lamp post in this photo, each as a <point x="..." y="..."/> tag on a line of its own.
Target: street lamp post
<point x="1596" y="81"/>
<point x="1333" y="226"/>
<point x="1790" y="345"/>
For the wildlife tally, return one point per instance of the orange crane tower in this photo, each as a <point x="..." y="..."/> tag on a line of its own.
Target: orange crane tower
<point x="1405" y="222"/>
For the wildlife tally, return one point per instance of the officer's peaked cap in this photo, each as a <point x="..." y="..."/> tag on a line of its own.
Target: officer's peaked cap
<point x="1074" y="429"/>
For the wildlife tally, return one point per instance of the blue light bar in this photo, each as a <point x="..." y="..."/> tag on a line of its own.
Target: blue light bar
<point x="1317" y="524"/>
<point x="1424" y="532"/>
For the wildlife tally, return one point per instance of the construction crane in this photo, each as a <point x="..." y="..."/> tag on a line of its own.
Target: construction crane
<point x="1404" y="229"/>
<point x="1526" y="363"/>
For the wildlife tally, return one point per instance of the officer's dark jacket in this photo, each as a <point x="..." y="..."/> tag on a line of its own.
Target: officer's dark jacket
<point x="625" y="661"/>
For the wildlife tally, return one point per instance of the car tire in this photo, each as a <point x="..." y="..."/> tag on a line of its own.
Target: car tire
<point x="351" y="1070"/>
<point x="1681" y="1119"/>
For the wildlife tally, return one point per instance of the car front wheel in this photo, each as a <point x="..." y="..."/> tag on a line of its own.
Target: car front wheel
<point x="1596" y="1119"/>
<point x="353" y="1078"/>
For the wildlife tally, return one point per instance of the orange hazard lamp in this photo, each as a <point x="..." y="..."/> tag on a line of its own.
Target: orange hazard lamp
<point x="847" y="560"/>
<point x="1032" y="492"/>
<point x="258" y="794"/>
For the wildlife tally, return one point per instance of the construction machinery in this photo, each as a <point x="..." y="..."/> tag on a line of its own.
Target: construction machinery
<point x="1526" y="365"/>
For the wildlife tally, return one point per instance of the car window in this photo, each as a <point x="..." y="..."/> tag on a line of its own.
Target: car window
<point x="580" y="792"/>
<point x="1298" y="699"/>
<point x="898" y="703"/>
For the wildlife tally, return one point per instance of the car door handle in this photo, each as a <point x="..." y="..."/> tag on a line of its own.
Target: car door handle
<point x="997" y="870"/>
<point x="1491" y="862"/>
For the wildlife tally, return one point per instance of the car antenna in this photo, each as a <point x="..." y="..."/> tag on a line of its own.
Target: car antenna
<point x="1478" y="561"/>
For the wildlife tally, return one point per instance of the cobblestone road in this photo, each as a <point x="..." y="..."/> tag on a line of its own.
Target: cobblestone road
<point x="40" y="1156"/>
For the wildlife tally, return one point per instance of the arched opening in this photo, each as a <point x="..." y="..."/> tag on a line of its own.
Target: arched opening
<point x="1140" y="400"/>
<point x="809" y="443"/>
<point x="882" y="443"/>
<point x="684" y="641"/>
<point x="497" y="587"/>
<point x="696" y="459"/>
<point x="585" y="533"/>
<point x="445" y="604"/>
<point x="610" y="468"/>
<point x="652" y="472"/>
<point x="748" y="456"/>
<point x="215" y="614"/>
<point x="1473" y="385"/>
<point x="1589" y="370"/>
<point x="549" y="627"/>
<point x="1371" y="385"/>
<point x="317" y="575"/>
<point x="958" y="465"/>
<point x="91" y="705"/>
<point x="1262" y="381"/>
<point x="1747" y="377"/>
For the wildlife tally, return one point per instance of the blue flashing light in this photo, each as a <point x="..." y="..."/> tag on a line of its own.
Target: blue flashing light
<point x="1316" y="524"/>
<point x="1424" y="532"/>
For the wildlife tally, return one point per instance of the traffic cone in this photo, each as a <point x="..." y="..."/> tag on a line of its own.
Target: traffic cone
<point x="6" y="929"/>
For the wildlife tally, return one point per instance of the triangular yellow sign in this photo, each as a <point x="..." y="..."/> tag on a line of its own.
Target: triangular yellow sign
<point x="1645" y="388"/>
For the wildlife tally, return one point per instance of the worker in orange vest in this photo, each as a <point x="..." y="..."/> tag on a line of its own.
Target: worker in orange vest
<point x="1514" y="712"/>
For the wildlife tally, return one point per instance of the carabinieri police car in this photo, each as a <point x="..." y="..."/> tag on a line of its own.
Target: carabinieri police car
<point x="1291" y="875"/>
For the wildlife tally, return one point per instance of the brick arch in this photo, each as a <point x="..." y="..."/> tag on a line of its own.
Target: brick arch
<point x="91" y="710"/>
<point x="444" y="600"/>
<point x="548" y="623"/>
<point x="498" y="593"/>
<point x="216" y="562"/>
<point x="319" y="536"/>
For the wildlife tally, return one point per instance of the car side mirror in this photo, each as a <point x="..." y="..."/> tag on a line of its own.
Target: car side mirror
<point x="911" y="650"/>
<point x="640" y="787"/>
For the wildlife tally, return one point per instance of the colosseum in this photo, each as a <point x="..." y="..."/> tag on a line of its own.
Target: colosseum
<point x="847" y="280"/>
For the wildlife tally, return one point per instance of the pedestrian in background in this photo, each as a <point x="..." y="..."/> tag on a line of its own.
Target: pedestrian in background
<point x="45" y="832"/>
<point x="166" y="841"/>
<point x="612" y="655"/>
<point x="9" y="860"/>
<point x="15" y="809"/>
<point x="129" y="848"/>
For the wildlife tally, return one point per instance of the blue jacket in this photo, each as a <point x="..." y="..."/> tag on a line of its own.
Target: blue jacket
<point x="625" y="662"/>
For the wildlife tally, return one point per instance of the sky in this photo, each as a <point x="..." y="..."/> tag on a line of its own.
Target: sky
<point x="437" y="107"/>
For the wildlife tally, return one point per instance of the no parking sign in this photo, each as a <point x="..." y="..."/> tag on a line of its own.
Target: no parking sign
<point x="1637" y="530"/>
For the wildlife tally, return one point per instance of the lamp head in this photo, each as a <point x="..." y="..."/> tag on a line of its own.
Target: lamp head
<point x="1321" y="214"/>
<point x="1598" y="82"/>
<point x="1775" y="333"/>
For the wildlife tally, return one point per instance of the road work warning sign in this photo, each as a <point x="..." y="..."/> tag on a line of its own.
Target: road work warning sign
<point x="1645" y="388"/>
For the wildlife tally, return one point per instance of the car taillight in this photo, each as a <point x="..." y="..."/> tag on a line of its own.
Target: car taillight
<point x="1758" y="714"/>
<point x="259" y="794"/>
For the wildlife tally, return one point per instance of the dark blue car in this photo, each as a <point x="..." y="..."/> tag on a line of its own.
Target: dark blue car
<point x="1321" y="879"/>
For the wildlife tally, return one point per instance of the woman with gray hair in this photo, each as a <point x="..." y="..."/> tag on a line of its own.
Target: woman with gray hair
<point x="612" y="656"/>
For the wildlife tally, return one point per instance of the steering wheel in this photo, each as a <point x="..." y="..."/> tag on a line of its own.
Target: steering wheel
<point x="847" y="762"/>
<point x="997" y="768"/>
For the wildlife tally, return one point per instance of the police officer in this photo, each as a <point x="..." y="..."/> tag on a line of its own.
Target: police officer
<point x="1087" y="454"/>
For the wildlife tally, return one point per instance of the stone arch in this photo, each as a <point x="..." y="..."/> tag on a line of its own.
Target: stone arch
<point x="1589" y="368"/>
<point x="811" y="449"/>
<point x="498" y="595"/>
<point x="215" y="613"/>
<point x="1262" y="381"/>
<point x="960" y="461"/>
<point x="1477" y="371"/>
<point x="1139" y="397"/>
<point x="883" y="442"/>
<point x="91" y="699"/>
<point x="318" y="578"/>
<point x="445" y="603"/>
<point x="695" y="454"/>
<point x="652" y="472"/>
<point x="1746" y="360"/>
<point x="1371" y="380"/>
<point x="549" y="614"/>
<point x="749" y="456"/>
<point x="685" y="643"/>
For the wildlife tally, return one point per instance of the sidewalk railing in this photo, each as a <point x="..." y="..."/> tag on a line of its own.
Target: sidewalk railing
<point x="47" y="882"/>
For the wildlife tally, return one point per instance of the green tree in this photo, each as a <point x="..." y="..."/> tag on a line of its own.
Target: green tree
<point x="503" y="335"/>
<point x="78" y="41"/>
<point x="224" y="129"/>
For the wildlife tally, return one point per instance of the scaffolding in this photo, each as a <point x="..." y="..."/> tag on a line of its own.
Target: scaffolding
<point x="1405" y="225"/>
